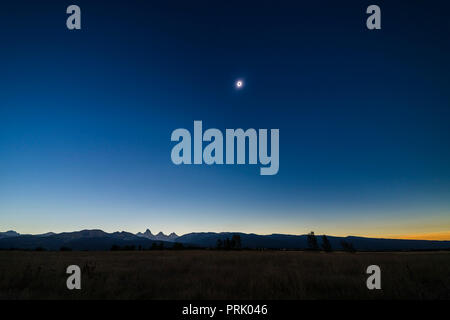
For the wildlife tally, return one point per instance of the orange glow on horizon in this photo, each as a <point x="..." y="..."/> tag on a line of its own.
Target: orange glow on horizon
<point x="444" y="235"/>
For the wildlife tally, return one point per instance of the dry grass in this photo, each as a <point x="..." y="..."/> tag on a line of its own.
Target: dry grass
<point x="223" y="275"/>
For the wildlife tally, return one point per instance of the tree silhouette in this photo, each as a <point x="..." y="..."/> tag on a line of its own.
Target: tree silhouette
<point x="312" y="241"/>
<point x="227" y="244"/>
<point x="236" y="241"/>
<point x="326" y="245"/>
<point x="219" y="244"/>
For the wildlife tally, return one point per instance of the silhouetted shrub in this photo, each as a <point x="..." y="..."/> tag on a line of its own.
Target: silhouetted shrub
<point x="65" y="249"/>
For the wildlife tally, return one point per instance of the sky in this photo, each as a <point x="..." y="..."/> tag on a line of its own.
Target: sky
<point x="86" y="116"/>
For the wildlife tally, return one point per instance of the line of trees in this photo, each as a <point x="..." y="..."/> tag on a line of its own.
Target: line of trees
<point x="313" y="244"/>
<point x="227" y="244"/>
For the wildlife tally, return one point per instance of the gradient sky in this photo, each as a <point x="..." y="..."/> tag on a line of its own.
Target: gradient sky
<point x="364" y="116"/>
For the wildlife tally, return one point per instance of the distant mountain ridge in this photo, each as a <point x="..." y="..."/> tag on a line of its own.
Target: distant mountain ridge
<point x="160" y="236"/>
<point x="79" y="240"/>
<point x="99" y="240"/>
<point x="12" y="233"/>
<point x="285" y="241"/>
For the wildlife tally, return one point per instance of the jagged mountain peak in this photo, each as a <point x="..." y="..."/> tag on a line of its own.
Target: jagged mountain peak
<point x="147" y="234"/>
<point x="160" y="236"/>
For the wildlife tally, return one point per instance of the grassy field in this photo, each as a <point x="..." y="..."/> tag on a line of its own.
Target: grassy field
<point x="224" y="275"/>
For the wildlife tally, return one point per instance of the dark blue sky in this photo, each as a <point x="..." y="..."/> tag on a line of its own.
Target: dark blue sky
<point x="364" y="116"/>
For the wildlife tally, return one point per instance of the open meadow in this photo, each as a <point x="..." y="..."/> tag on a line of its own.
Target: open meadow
<point x="209" y="274"/>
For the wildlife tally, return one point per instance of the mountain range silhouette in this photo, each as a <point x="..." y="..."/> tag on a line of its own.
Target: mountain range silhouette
<point x="100" y="240"/>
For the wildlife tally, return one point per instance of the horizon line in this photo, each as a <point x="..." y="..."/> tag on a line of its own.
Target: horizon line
<point x="430" y="236"/>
